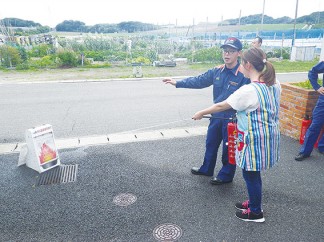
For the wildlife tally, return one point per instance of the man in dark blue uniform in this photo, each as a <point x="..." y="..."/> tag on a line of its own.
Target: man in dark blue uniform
<point x="225" y="79"/>
<point x="318" y="116"/>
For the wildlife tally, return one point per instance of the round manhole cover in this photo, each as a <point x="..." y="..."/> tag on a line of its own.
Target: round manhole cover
<point x="167" y="232"/>
<point x="124" y="199"/>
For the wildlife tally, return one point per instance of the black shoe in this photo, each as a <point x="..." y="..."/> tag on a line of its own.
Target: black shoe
<point x="195" y="171"/>
<point x="301" y="157"/>
<point x="217" y="181"/>
<point x="249" y="216"/>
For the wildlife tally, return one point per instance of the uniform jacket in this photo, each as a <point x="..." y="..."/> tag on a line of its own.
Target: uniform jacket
<point x="313" y="75"/>
<point x="225" y="81"/>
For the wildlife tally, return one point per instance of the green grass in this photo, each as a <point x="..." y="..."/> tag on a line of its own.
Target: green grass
<point x="202" y="66"/>
<point x="293" y="66"/>
<point x="306" y="84"/>
<point x="280" y="66"/>
<point x="254" y="27"/>
<point x="148" y="71"/>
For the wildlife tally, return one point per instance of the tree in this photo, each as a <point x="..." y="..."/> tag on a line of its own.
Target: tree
<point x="16" y="22"/>
<point x="9" y="56"/>
<point x="71" y="26"/>
<point x="314" y="18"/>
<point x="134" y="26"/>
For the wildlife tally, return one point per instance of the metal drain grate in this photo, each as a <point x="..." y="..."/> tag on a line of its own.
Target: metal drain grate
<point x="60" y="174"/>
<point x="124" y="199"/>
<point x="167" y="232"/>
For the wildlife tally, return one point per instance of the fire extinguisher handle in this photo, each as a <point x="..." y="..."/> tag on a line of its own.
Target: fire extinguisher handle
<point x="233" y="118"/>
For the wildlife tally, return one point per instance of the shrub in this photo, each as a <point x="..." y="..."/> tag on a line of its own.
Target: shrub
<point x="45" y="62"/>
<point x="68" y="58"/>
<point x="276" y="53"/>
<point x="41" y="50"/>
<point x="213" y="54"/>
<point x="143" y="60"/>
<point x="285" y="53"/>
<point x="306" y="84"/>
<point x="95" y="55"/>
<point x="23" y="54"/>
<point x="23" y="66"/>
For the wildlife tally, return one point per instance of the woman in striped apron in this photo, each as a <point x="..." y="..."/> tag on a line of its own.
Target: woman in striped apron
<point x="258" y="133"/>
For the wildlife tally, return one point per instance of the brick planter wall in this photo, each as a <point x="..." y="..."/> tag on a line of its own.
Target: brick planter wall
<point x="295" y="103"/>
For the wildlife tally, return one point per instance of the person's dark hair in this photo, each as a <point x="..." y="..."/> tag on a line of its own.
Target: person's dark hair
<point x="259" y="39"/>
<point x="258" y="60"/>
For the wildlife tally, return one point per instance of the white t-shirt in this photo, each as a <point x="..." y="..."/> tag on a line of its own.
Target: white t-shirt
<point x="245" y="98"/>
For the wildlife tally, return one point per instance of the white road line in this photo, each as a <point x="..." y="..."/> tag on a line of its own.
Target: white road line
<point x="118" y="138"/>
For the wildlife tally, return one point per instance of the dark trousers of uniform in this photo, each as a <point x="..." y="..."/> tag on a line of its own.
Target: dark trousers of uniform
<point x="216" y="134"/>
<point x="315" y="129"/>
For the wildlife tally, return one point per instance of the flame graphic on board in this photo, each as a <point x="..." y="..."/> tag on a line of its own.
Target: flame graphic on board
<point x="46" y="154"/>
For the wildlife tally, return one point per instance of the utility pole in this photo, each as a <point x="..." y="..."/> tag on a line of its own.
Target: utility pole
<point x="193" y="40"/>
<point x="294" y="36"/>
<point x="206" y="29"/>
<point x="239" y="23"/>
<point x="193" y="28"/>
<point x="262" y="15"/>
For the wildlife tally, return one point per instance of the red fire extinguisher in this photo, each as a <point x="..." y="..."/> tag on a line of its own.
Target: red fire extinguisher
<point x="232" y="135"/>
<point x="305" y="124"/>
<point x="319" y="137"/>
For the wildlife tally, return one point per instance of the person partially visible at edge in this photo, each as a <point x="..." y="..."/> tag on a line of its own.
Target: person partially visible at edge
<point x="257" y="42"/>
<point x="258" y="134"/>
<point x="226" y="79"/>
<point x="318" y="116"/>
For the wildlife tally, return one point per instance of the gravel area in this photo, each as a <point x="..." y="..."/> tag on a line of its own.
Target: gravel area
<point x="94" y="73"/>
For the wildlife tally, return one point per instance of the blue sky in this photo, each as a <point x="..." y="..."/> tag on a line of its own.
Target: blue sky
<point x="181" y="12"/>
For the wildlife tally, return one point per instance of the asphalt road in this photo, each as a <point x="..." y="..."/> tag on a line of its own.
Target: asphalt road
<point x="95" y="108"/>
<point x="143" y="191"/>
<point x="100" y="107"/>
